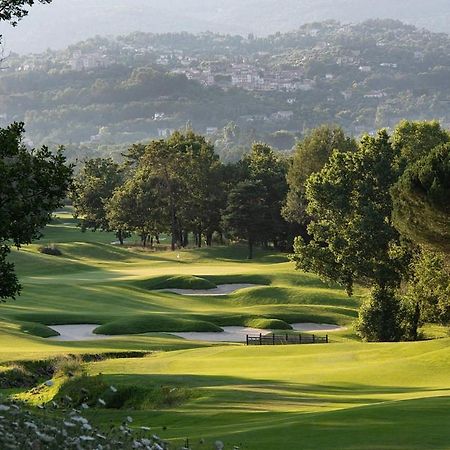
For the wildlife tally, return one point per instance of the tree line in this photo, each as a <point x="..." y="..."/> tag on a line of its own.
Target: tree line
<point x="372" y="213"/>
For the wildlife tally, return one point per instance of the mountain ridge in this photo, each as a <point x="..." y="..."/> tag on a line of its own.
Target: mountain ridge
<point x="75" y="20"/>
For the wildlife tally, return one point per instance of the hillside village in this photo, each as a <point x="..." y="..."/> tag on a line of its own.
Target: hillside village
<point x="363" y="76"/>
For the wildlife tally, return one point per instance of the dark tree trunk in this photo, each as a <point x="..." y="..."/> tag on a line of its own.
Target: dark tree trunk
<point x="151" y="242"/>
<point x="250" y="248"/>
<point x="415" y="322"/>
<point x="209" y="237"/>
<point x="120" y="236"/>
<point x="185" y="237"/>
<point x="173" y="228"/>
<point x="199" y="239"/>
<point x="144" y="238"/>
<point x="157" y="238"/>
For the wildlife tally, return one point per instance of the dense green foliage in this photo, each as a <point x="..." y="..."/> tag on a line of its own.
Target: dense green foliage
<point x="353" y="201"/>
<point x="421" y="200"/>
<point x="32" y="185"/>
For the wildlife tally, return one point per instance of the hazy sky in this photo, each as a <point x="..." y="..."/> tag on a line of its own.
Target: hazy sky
<point x="69" y="21"/>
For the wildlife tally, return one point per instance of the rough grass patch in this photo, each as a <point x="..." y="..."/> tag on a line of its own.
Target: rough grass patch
<point x="94" y="391"/>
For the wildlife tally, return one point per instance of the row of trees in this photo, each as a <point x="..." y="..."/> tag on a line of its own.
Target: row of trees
<point x="178" y="186"/>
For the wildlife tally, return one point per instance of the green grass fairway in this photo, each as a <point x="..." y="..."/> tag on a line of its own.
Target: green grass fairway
<point x="340" y="396"/>
<point x="118" y="288"/>
<point x="344" y="395"/>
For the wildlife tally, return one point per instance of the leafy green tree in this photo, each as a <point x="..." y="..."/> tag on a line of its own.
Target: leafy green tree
<point x="429" y="290"/>
<point x="247" y="215"/>
<point x="135" y="206"/>
<point x="32" y="185"/>
<point x="311" y="154"/>
<point x="352" y="234"/>
<point x="413" y="140"/>
<point x="381" y="316"/>
<point x="188" y="172"/>
<point x="421" y="200"/>
<point x="91" y="190"/>
<point x="263" y="165"/>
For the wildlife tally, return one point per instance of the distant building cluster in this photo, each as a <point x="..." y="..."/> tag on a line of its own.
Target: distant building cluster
<point x="86" y="61"/>
<point x="249" y="77"/>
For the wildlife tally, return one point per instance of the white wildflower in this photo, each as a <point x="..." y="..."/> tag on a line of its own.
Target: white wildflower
<point x="113" y="388"/>
<point x="145" y="428"/>
<point x="102" y="402"/>
<point x="129" y="419"/>
<point x="84" y="406"/>
<point x="69" y="424"/>
<point x="87" y="438"/>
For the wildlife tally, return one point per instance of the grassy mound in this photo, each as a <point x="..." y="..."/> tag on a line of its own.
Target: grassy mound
<point x="267" y="324"/>
<point x="177" y="282"/>
<point x="154" y="323"/>
<point x="37" y="329"/>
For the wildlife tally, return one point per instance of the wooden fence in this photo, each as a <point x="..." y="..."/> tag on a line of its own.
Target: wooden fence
<point x="286" y="339"/>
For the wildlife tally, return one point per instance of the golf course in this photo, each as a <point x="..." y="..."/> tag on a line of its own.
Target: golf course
<point x="344" y="394"/>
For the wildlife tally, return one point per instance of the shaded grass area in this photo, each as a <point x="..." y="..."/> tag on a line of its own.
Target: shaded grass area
<point x="299" y="397"/>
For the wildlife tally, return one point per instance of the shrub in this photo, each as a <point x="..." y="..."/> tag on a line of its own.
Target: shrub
<point x="381" y="317"/>
<point x="50" y="250"/>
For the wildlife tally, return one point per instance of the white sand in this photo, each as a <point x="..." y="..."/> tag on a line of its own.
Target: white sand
<point x="313" y="327"/>
<point x="229" y="334"/>
<point x="221" y="289"/>
<point x="76" y="333"/>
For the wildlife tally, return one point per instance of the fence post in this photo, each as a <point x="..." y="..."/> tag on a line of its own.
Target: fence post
<point x="314" y="339"/>
<point x="260" y="338"/>
<point x="300" y="338"/>
<point x="246" y="339"/>
<point x="326" y="338"/>
<point x="273" y="338"/>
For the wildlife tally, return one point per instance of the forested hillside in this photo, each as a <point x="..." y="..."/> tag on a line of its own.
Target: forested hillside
<point x="75" y="20"/>
<point x="104" y="94"/>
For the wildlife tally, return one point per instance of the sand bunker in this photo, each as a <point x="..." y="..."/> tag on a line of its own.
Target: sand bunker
<point x="76" y="333"/>
<point x="316" y="327"/>
<point x="238" y="334"/>
<point x="229" y="334"/>
<point x="221" y="289"/>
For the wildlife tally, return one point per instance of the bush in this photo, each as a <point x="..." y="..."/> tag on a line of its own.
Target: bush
<point x="90" y="390"/>
<point x="381" y="317"/>
<point x="50" y="250"/>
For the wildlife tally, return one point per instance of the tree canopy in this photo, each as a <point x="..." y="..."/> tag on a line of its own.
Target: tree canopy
<point x="32" y="185"/>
